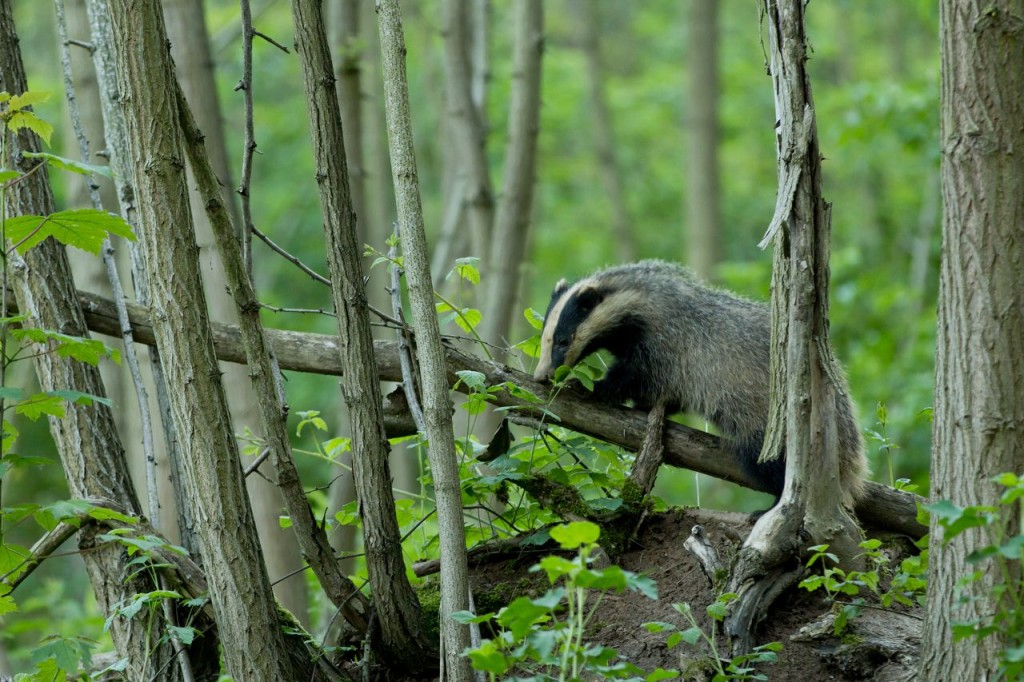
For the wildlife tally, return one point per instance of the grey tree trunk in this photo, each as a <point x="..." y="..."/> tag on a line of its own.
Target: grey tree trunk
<point x="979" y="359"/>
<point x="193" y="62"/>
<point x="429" y="352"/>
<point x="396" y="606"/>
<point x="239" y="587"/>
<point x="803" y="419"/>
<point x="91" y="452"/>
<point x="703" y="229"/>
<point x="117" y="153"/>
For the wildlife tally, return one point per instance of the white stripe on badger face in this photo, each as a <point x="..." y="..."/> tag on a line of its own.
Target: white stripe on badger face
<point x="545" y="371"/>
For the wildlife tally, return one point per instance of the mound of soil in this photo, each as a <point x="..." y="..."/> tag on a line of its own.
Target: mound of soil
<point x="659" y="554"/>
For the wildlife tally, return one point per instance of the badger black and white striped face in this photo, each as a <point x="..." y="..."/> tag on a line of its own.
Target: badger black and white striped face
<point x="581" y="319"/>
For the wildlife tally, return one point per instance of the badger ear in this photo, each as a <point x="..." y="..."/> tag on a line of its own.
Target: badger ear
<point x="560" y="287"/>
<point x="587" y="298"/>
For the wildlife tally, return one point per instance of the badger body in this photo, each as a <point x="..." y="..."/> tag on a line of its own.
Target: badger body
<point x="698" y="349"/>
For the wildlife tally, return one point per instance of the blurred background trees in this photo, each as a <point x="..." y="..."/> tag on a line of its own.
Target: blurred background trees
<point x="642" y="113"/>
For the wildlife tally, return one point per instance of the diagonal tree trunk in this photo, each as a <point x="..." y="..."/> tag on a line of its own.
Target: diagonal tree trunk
<point x="395" y="603"/>
<point x="193" y="62"/>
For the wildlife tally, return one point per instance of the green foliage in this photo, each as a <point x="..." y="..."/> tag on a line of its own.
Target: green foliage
<point x="739" y="667"/>
<point x="543" y="638"/>
<point x="906" y="586"/>
<point x="999" y="554"/>
<point x="56" y="657"/>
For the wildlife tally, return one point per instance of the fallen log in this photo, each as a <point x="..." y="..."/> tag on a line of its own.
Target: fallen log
<point x="882" y="507"/>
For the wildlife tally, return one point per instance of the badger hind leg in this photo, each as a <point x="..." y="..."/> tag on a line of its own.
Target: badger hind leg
<point x="771" y="475"/>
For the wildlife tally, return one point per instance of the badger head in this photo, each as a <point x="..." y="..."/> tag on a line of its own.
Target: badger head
<point x="585" y="317"/>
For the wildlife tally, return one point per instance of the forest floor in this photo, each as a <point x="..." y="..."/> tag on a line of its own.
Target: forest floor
<point x="659" y="554"/>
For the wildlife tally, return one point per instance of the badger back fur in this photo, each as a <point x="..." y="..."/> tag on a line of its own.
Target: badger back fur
<point x="698" y="349"/>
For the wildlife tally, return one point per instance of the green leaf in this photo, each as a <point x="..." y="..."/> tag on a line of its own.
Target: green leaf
<point x="83" y="349"/>
<point x="28" y="120"/>
<point x="36" y="406"/>
<point x="185" y="635"/>
<point x="27" y="99"/>
<point x="83" y="228"/>
<point x="474" y="380"/>
<point x="658" y="626"/>
<point x="59" y="649"/>
<point x="71" y="165"/>
<point x="466" y="268"/>
<point x="535" y="319"/>
<point x="7" y="174"/>
<point x="691" y="635"/>
<point x="468" y="319"/>
<point x="466" y="617"/>
<point x="661" y="674"/>
<point x="489" y="658"/>
<point x="521" y="615"/>
<point x="555" y="567"/>
<point x="575" y="534"/>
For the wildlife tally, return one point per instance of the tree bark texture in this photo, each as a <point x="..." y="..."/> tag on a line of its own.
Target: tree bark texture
<point x="239" y="586"/>
<point x="266" y="386"/>
<point x="117" y="151"/>
<point x="87" y="441"/>
<point x="978" y="428"/>
<point x="810" y="510"/>
<point x="437" y="405"/>
<point x="515" y="209"/>
<point x="395" y="602"/>
<point x="703" y="228"/>
<point x="193" y="63"/>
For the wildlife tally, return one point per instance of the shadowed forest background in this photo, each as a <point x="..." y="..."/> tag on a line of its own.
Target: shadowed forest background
<point x="875" y="72"/>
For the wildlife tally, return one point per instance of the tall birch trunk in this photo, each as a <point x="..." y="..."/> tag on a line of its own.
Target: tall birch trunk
<point x="429" y="352"/>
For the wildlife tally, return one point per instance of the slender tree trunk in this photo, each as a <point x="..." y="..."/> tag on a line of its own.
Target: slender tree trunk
<point x="117" y="153"/>
<point x="91" y="452"/>
<point x="193" y="62"/>
<point x="702" y="218"/>
<point x="239" y="587"/>
<point x="978" y="429"/>
<point x="397" y="608"/>
<point x="429" y="352"/>
<point x="604" y="133"/>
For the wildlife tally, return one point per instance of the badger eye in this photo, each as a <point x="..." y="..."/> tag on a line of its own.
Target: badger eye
<point x="562" y="343"/>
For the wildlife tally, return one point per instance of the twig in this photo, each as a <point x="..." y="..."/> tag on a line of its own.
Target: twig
<point x="276" y="248"/>
<point x="409" y="383"/>
<point x="310" y="311"/>
<point x="271" y="41"/>
<point x="249" y="145"/>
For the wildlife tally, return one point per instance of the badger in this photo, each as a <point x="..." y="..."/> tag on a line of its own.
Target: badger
<point x="700" y="350"/>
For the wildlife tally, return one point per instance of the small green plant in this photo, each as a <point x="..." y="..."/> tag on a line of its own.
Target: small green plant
<point x="1003" y="556"/>
<point x="737" y="668"/>
<point x="543" y="638"/>
<point x="906" y="587"/>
